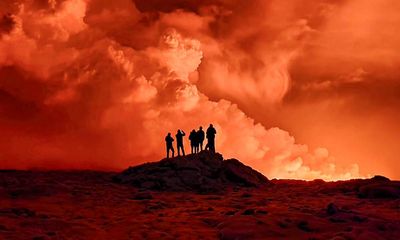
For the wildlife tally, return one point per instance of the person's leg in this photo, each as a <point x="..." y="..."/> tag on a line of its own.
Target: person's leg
<point x="183" y="150"/>
<point x="173" y="151"/>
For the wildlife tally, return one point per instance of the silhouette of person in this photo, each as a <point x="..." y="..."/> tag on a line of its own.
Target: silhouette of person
<point x="193" y="140"/>
<point x="179" y="141"/>
<point x="168" y="141"/>
<point x="200" y="138"/>
<point x="210" y="134"/>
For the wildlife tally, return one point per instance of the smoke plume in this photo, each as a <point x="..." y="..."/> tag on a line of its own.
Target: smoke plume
<point x="98" y="84"/>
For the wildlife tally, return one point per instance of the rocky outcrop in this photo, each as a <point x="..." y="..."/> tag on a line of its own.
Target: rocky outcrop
<point x="380" y="190"/>
<point x="202" y="172"/>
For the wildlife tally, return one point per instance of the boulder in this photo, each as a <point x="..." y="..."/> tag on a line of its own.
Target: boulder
<point x="377" y="187"/>
<point x="332" y="209"/>
<point x="380" y="190"/>
<point x="379" y="178"/>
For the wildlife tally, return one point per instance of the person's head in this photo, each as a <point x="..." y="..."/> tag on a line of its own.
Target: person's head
<point x="201" y="128"/>
<point x="169" y="134"/>
<point x="211" y="125"/>
<point x="178" y="131"/>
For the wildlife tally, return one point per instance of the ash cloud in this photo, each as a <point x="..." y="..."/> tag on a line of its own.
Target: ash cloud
<point x="97" y="84"/>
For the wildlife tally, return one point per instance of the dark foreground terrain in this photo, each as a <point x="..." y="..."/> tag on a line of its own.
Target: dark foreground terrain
<point x="89" y="205"/>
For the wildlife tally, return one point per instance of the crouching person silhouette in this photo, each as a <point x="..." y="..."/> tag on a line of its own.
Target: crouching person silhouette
<point x="169" y="140"/>
<point x="179" y="142"/>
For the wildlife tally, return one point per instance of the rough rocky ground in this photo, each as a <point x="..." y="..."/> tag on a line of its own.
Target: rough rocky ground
<point x="204" y="172"/>
<point x="88" y="205"/>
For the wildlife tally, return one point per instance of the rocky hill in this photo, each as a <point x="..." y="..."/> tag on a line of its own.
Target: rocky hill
<point x="202" y="172"/>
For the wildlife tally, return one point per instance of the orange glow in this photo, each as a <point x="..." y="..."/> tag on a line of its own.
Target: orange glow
<point x="295" y="90"/>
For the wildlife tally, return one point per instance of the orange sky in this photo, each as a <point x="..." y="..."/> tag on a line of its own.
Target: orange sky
<point x="295" y="89"/>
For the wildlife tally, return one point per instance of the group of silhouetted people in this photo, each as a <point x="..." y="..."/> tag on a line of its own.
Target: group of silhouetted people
<point x="196" y="139"/>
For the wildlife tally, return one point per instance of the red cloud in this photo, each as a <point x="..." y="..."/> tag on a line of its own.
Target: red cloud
<point x="95" y="84"/>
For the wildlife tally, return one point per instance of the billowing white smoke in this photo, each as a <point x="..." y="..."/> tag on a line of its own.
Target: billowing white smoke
<point x="132" y="96"/>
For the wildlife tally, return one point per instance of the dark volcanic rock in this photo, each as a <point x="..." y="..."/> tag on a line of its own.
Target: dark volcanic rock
<point x="142" y="196"/>
<point x="380" y="190"/>
<point x="378" y="187"/>
<point x="202" y="172"/>
<point x="379" y="178"/>
<point x="246" y="227"/>
<point x="332" y="209"/>
<point x="250" y="211"/>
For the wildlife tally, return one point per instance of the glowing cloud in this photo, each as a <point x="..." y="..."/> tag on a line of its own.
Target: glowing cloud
<point x="117" y="78"/>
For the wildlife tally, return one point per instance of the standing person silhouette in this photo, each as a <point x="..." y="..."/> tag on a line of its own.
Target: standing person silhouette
<point x="200" y="138"/>
<point x="211" y="138"/>
<point x="193" y="140"/>
<point x="168" y="141"/>
<point x="179" y="141"/>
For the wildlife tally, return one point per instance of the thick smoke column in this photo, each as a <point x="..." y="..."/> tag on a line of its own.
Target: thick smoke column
<point x="97" y="84"/>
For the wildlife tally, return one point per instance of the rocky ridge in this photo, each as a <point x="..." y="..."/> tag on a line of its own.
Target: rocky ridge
<point x="202" y="172"/>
